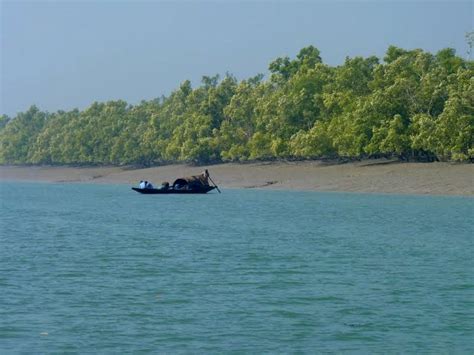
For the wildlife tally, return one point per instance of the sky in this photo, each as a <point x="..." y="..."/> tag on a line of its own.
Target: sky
<point x="61" y="55"/>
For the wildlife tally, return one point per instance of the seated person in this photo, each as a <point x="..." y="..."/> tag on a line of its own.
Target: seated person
<point x="148" y="185"/>
<point x="142" y="184"/>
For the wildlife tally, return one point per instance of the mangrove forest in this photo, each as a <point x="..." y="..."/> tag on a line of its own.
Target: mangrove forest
<point x="412" y="104"/>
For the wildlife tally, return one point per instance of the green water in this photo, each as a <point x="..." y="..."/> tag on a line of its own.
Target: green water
<point x="92" y="268"/>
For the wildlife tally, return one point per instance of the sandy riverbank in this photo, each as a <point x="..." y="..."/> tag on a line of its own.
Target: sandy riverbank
<point x="366" y="176"/>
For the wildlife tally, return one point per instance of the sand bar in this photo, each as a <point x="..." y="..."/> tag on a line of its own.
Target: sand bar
<point x="372" y="176"/>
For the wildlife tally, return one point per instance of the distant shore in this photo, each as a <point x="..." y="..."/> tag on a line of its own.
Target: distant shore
<point x="370" y="176"/>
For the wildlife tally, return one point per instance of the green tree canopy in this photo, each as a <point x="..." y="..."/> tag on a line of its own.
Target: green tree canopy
<point x="412" y="104"/>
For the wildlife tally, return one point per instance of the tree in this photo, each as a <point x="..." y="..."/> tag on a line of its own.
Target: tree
<point x="412" y="104"/>
<point x="470" y="43"/>
<point x="390" y="138"/>
<point x="4" y="119"/>
<point x="19" y="134"/>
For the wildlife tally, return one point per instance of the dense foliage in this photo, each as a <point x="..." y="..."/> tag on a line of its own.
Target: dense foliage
<point x="414" y="105"/>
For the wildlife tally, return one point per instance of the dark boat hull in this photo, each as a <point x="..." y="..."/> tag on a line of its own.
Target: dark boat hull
<point x="201" y="190"/>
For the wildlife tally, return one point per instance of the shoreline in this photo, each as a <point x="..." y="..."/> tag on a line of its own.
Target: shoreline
<point x="367" y="176"/>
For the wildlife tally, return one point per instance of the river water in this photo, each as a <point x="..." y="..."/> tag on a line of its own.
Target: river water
<point x="97" y="268"/>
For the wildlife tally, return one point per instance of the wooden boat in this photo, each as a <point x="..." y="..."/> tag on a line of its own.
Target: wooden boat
<point x="200" y="190"/>
<point x="198" y="184"/>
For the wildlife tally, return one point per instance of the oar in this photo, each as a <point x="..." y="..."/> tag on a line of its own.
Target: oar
<point x="214" y="184"/>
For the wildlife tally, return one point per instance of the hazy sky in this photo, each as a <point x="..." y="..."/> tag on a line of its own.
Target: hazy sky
<point x="67" y="54"/>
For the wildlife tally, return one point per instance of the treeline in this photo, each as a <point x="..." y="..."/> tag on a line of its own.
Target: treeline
<point x="413" y="105"/>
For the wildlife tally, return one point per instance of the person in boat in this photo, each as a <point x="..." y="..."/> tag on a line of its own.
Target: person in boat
<point x="165" y="185"/>
<point x="180" y="184"/>
<point x="142" y="184"/>
<point x="148" y="185"/>
<point x="205" y="177"/>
